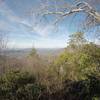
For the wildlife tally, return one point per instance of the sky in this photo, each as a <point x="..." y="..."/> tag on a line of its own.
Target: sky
<point x="25" y="30"/>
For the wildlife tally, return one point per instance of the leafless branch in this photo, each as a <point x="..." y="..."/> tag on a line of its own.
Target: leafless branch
<point x="81" y="6"/>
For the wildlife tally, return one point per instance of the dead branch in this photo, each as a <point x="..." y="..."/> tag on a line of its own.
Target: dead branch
<point x="80" y="7"/>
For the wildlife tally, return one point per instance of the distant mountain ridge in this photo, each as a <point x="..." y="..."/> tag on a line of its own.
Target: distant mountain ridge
<point x="26" y="51"/>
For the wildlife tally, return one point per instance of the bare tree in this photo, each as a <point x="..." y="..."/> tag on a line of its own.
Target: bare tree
<point x="3" y="42"/>
<point x="61" y="9"/>
<point x="3" y="46"/>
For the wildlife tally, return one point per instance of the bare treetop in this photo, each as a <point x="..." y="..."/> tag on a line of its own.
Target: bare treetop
<point x="64" y="8"/>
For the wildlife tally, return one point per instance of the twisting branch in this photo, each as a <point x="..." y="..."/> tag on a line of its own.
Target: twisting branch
<point x="73" y="11"/>
<point x="81" y="6"/>
<point x="90" y="11"/>
<point x="53" y="13"/>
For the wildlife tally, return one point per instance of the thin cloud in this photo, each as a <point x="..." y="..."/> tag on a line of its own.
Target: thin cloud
<point x="40" y="32"/>
<point x="40" y="29"/>
<point x="11" y="19"/>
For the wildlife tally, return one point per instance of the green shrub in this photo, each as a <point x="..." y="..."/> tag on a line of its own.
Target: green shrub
<point x="17" y="85"/>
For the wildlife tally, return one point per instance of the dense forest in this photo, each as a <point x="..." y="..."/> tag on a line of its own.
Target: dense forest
<point x="71" y="74"/>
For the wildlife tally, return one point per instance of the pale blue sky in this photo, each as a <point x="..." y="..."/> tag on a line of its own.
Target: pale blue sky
<point x="23" y="32"/>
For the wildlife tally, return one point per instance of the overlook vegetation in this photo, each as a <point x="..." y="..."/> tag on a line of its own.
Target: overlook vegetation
<point x="72" y="75"/>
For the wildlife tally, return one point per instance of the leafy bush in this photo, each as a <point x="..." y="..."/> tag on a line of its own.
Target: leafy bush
<point x="16" y="85"/>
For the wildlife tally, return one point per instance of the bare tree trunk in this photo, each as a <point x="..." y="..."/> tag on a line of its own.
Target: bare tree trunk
<point x="3" y="42"/>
